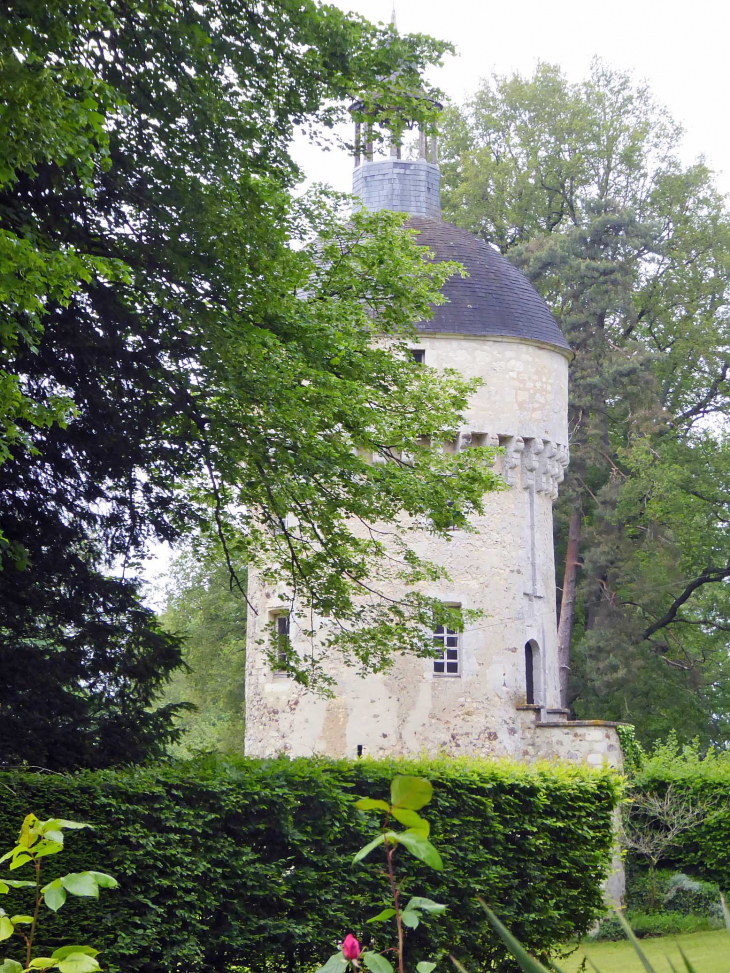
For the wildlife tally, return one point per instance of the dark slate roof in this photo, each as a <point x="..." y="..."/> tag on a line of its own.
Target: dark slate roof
<point x="495" y="299"/>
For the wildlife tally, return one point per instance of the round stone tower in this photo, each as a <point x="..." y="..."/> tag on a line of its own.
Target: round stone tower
<point x="494" y="689"/>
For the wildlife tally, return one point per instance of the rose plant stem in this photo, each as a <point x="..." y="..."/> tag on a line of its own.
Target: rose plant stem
<point x="396" y="893"/>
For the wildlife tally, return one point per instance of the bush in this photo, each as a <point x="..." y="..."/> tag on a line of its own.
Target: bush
<point x="704" y="851"/>
<point x="609" y="930"/>
<point x="700" y="911"/>
<point x="249" y="864"/>
<point x="638" y="886"/>
<point x="689" y="897"/>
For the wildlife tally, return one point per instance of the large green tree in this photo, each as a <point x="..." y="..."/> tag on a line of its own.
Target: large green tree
<point x="200" y="606"/>
<point x="208" y="366"/>
<point x="582" y="186"/>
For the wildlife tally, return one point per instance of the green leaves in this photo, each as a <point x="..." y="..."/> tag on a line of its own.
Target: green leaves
<point x="371" y="804"/>
<point x="411" y="820"/>
<point x="412" y="912"/>
<point x="54" y="895"/>
<point x="335" y="964"/>
<point x="37" y="840"/>
<point x="7" y="884"/>
<point x="418" y="846"/>
<point x="408" y="795"/>
<point x="425" y="905"/>
<point x="364" y="852"/>
<point x="425" y="966"/>
<point x="383" y="916"/>
<point x="527" y="963"/>
<point x="411" y="793"/>
<point x="376" y="963"/>
<point x="83" y="884"/>
<point x="11" y="966"/>
<point x="77" y="962"/>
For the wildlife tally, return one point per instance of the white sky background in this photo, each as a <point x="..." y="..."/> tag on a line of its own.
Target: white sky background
<point x="681" y="50"/>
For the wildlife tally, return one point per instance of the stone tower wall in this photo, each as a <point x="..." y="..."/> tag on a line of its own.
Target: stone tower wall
<point x="506" y="569"/>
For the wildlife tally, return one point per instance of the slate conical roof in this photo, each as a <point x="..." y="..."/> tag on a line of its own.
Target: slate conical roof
<point x="494" y="300"/>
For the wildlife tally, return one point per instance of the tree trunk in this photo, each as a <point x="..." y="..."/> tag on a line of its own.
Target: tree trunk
<point x="567" y="604"/>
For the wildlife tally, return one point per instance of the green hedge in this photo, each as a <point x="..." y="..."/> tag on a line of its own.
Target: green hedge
<point x="704" y="851"/>
<point x="247" y="866"/>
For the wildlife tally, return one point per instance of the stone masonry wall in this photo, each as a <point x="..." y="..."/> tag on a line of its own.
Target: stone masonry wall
<point x="506" y="569"/>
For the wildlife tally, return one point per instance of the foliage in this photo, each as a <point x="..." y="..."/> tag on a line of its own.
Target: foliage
<point x="652" y="824"/>
<point x="201" y="607"/>
<point x="257" y="857"/>
<point x="632" y="750"/>
<point x="648" y="924"/>
<point x="529" y="964"/>
<point x="37" y="840"/>
<point x="215" y="369"/>
<point x="698" y="777"/>
<point x="639" y="884"/>
<point x="689" y="897"/>
<point x="671" y="904"/>
<point x="408" y="795"/>
<point x="583" y="187"/>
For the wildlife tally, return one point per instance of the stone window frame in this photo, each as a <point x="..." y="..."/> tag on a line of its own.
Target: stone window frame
<point x="281" y="620"/>
<point x="442" y="634"/>
<point x="418" y="354"/>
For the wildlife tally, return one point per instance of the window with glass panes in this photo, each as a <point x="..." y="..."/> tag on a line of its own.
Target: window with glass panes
<point x="283" y="645"/>
<point x="446" y="641"/>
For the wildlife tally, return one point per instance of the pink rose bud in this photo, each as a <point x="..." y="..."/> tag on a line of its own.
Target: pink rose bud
<point x="351" y="947"/>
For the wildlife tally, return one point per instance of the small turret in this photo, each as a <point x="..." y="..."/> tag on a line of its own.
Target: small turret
<point x="383" y="179"/>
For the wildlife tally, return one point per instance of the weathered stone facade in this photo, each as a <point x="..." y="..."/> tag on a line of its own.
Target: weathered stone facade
<point x="504" y="700"/>
<point x="506" y="569"/>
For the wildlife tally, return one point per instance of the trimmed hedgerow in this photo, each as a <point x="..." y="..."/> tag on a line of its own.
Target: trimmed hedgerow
<point x="248" y="865"/>
<point x="704" y="851"/>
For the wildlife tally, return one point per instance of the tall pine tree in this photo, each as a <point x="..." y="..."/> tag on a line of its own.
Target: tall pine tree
<point x="581" y="185"/>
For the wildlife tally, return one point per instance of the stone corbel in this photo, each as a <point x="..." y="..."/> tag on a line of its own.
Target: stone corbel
<point x="531" y="461"/>
<point x="547" y="469"/>
<point x="513" y="449"/>
<point x="562" y="459"/>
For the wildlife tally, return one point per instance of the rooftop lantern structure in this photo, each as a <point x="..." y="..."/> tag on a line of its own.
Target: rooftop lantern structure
<point x="383" y="179"/>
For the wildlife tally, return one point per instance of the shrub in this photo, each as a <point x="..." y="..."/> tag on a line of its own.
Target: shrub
<point x="639" y="886"/>
<point x="248" y="864"/>
<point x="529" y="964"/>
<point x="703" y="851"/>
<point x="690" y="897"/>
<point x="646" y="924"/>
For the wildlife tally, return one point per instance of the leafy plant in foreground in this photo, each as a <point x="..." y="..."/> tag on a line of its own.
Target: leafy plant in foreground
<point x="408" y="795"/>
<point x="38" y="840"/>
<point x="530" y="965"/>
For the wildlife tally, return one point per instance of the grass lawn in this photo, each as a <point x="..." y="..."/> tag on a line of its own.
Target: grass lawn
<point x="709" y="952"/>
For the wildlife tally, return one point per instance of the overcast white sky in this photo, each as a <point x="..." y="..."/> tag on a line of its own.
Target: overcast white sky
<point x="681" y="49"/>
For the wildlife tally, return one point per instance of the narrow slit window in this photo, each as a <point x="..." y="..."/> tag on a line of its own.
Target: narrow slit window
<point x="446" y="643"/>
<point x="529" y="674"/>
<point x="283" y="642"/>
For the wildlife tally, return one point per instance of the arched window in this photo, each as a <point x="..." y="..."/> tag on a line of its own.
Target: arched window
<point x="531" y="653"/>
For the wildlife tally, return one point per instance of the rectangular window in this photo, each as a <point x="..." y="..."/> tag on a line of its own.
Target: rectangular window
<point x="283" y="642"/>
<point x="419" y="355"/>
<point x="446" y="642"/>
